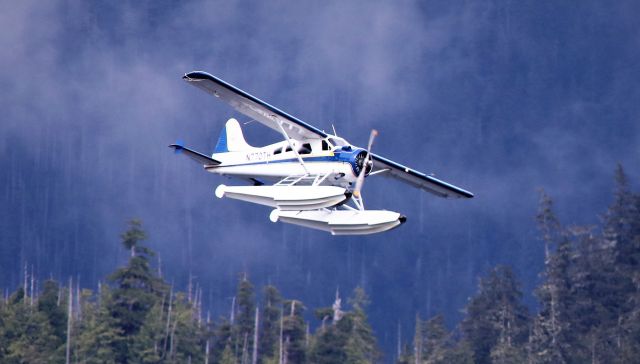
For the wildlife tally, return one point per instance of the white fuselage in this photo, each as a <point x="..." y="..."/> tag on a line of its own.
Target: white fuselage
<point x="277" y="161"/>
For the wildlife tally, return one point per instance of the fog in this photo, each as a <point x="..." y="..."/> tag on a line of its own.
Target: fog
<point x="501" y="98"/>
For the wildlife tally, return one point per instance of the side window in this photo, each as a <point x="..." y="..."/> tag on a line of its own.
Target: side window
<point x="288" y="149"/>
<point x="325" y="145"/>
<point x="277" y="151"/>
<point x="305" y="149"/>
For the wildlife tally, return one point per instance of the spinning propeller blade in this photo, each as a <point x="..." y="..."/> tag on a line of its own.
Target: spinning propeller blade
<point x="365" y="165"/>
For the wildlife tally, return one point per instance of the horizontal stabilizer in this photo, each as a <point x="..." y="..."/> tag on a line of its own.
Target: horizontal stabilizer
<point x="196" y="156"/>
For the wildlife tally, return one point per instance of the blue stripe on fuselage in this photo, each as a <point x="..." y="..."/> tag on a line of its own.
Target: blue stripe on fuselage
<point x="340" y="156"/>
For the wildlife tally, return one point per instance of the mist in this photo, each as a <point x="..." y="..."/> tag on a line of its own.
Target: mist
<point x="497" y="97"/>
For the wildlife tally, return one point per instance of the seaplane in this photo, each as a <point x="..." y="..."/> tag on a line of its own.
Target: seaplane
<point x="310" y="178"/>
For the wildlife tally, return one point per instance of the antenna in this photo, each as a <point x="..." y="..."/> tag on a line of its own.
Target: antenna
<point x="334" y="130"/>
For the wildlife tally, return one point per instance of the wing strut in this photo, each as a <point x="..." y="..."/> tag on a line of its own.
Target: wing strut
<point x="286" y="136"/>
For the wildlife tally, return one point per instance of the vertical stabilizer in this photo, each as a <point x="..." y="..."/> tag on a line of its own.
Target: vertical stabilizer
<point x="231" y="139"/>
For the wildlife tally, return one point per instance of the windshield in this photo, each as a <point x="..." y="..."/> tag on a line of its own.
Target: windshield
<point x="338" y="142"/>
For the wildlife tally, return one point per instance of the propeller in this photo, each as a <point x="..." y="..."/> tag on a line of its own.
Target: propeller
<point x="365" y="164"/>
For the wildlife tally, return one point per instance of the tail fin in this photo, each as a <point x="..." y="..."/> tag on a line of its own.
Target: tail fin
<point x="231" y="139"/>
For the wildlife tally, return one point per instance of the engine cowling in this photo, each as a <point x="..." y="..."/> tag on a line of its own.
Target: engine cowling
<point x="355" y="157"/>
<point x="358" y="163"/>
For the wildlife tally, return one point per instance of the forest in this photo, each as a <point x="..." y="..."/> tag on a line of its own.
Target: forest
<point x="588" y="310"/>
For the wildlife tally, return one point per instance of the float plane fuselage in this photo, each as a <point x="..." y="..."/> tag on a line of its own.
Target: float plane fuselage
<point x="310" y="176"/>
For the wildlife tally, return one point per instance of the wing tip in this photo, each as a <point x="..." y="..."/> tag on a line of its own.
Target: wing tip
<point x="196" y="76"/>
<point x="464" y="193"/>
<point x="458" y="193"/>
<point x="177" y="147"/>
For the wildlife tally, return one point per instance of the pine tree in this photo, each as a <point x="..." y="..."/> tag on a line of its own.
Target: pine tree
<point x="243" y="326"/>
<point x="228" y="357"/>
<point x="597" y="299"/>
<point x="48" y="305"/>
<point x="495" y="315"/>
<point x="4" y="341"/>
<point x="361" y="343"/>
<point x="435" y="344"/>
<point x="136" y="291"/>
<point x="622" y="232"/>
<point x="133" y="236"/>
<point x="98" y="332"/>
<point x="187" y="338"/>
<point x="329" y="345"/>
<point x="222" y="340"/>
<point x="460" y="353"/>
<point x="270" y="327"/>
<point x="28" y="333"/>
<point x="406" y="356"/>
<point x="552" y="339"/>
<point x="294" y="330"/>
<point x="147" y="344"/>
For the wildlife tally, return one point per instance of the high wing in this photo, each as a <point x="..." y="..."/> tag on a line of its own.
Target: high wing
<point x="254" y="107"/>
<point x="417" y="179"/>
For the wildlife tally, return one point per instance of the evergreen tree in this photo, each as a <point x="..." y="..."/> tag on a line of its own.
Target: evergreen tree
<point x="495" y="315"/>
<point x="98" y="332"/>
<point x="586" y="298"/>
<point x="597" y="299"/>
<point x="29" y="336"/>
<point x="294" y="332"/>
<point x="435" y="344"/>
<point x="187" y="336"/>
<point x="244" y="324"/>
<point x="4" y="340"/>
<point x="460" y="353"/>
<point x="406" y="356"/>
<point x="621" y="221"/>
<point x="133" y="236"/>
<point x="330" y="339"/>
<point x="622" y="234"/>
<point x="222" y="339"/>
<point x="552" y="338"/>
<point x="136" y="291"/>
<point x="361" y="343"/>
<point x="55" y="314"/>
<point x="228" y="357"/>
<point x="329" y="345"/>
<point x="345" y="337"/>
<point x="270" y="327"/>
<point x="147" y="344"/>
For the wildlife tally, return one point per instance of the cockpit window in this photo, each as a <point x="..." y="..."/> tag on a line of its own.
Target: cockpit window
<point x="337" y="142"/>
<point x="305" y="149"/>
<point x="325" y="145"/>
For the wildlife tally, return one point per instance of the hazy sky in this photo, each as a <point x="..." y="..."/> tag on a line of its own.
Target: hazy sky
<point x="499" y="97"/>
